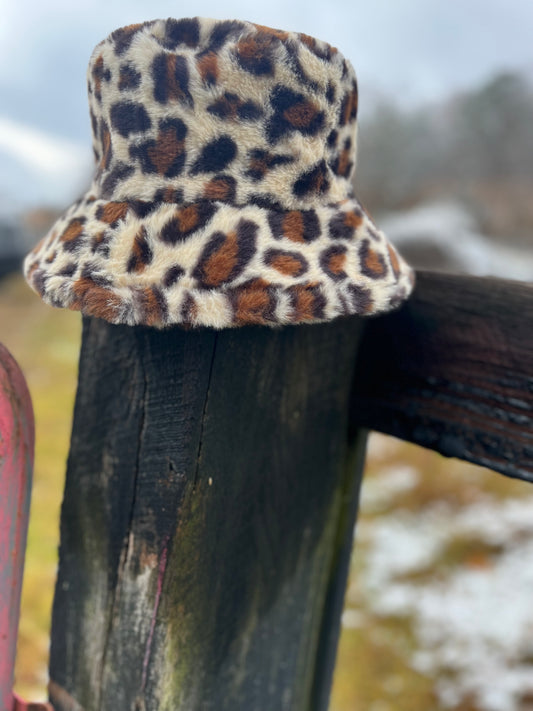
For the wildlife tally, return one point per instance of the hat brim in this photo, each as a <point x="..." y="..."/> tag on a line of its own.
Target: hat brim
<point x="216" y="264"/>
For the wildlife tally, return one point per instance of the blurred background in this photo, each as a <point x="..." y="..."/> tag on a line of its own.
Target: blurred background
<point x="438" y="612"/>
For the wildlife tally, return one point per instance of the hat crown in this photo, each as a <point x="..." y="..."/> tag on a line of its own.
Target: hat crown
<point x="226" y="110"/>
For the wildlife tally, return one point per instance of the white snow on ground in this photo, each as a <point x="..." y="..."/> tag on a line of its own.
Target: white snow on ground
<point x="473" y="625"/>
<point x="450" y="227"/>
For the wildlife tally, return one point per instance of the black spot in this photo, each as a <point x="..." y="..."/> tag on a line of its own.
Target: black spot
<point x="141" y="254"/>
<point x="165" y="154"/>
<point x="231" y="106"/>
<point x="143" y="208"/>
<point x="90" y="271"/>
<point x="215" y="156"/>
<point x="360" y="298"/>
<point x="128" y="117"/>
<point x="282" y="225"/>
<point x="187" y="220"/>
<point x="255" y="53"/>
<point x="332" y="139"/>
<point x="293" y="59"/>
<point x="261" y="162"/>
<point x="124" y="36"/>
<point x="169" y="195"/>
<point x="266" y="201"/>
<point x="39" y="279"/>
<point x="68" y="270"/>
<point x="327" y="262"/>
<point x="94" y="122"/>
<point x="173" y="275"/>
<point x="342" y="165"/>
<point x="186" y="31"/>
<point x="224" y="31"/>
<point x="330" y="93"/>
<point x="129" y="78"/>
<point x="171" y="79"/>
<point x="292" y="112"/>
<point x="224" y="268"/>
<point x="120" y="172"/>
<point x="343" y="224"/>
<point x="313" y="182"/>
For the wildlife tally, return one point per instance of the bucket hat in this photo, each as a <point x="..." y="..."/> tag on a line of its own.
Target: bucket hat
<point x="222" y="195"/>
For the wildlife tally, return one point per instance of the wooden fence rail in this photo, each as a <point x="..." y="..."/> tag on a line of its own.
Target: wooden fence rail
<point x="452" y="370"/>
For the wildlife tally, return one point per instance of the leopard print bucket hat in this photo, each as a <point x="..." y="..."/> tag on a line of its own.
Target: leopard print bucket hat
<point x="222" y="196"/>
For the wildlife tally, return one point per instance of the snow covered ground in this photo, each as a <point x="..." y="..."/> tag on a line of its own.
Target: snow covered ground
<point x="472" y="621"/>
<point x="444" y="235"/>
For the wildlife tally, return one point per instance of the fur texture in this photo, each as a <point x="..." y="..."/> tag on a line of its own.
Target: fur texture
<point x="222" y="196"/>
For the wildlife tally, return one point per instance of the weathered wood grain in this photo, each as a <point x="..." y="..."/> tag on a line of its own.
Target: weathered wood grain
<point x="207" y="521"/>
<point x="452" y="370"/>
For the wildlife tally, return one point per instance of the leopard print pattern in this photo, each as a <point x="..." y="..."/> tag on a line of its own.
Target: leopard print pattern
<point x="225" y="153"/>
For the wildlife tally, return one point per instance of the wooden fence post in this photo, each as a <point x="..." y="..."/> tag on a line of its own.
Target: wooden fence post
<point x="208" y="519"/>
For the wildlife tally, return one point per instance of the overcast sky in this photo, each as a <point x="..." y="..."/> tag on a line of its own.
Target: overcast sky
<point x="414" y="50"/>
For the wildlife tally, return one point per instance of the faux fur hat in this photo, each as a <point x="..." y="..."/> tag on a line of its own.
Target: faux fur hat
<point x="225" y="154"/>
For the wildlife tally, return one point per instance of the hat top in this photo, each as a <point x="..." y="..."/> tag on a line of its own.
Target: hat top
<point x="222" y="194"/>
<point x="223" y="110"/>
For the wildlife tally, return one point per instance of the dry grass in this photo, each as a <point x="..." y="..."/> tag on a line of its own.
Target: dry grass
<point x="45" y="342"/>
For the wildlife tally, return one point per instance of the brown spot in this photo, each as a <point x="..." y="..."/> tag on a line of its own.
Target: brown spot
<point x="279" y="34"/>
<point x="165" y="151"/>
<point x="106" y="148"/>
<point x="293" y="226"/>
<point x="303" y="301"/>
<point x="153" y="311"/>
<point x="301" y="115"/>
<point x="168" y="195"/>
<point x="353" y="219"/>
<point x="251" y="304"/>
<point x="336" y="263"/>
<point x="395" y="262"/>
<point x="258" y="167"/>
<point x="51" y="257"/>
<point x="187" y="218"/>
<point x="95" y="300"/>
<point x="98" y="240"/>
<point x="141" y="253"/>
<point x="98" y="74"/>
<point x="372" y="263"/>
<point x="288" y="263"/>
<point x="189" y="309"/>
<point x="32" y="269"/>
<point x="175" y="88"/>
<point x="208" y="67"/>
<point x="312" y="44"/>
<point x="111" y="212"/>
<point x="255" y="54"/>
<point x="73" y="231"/>
<point x="220" y="188"/>
<point x="349" y="107"/>
<point x="344" y="163"/>
<point x="219" y="265"/>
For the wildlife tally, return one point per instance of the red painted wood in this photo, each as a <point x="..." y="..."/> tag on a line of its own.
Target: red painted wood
<point x="16" y="464"/>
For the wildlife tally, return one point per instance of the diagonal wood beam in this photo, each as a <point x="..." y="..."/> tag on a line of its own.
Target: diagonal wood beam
<point x="452" y="370"/>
